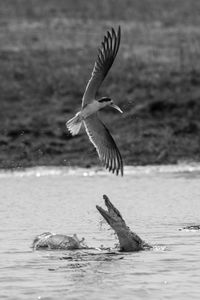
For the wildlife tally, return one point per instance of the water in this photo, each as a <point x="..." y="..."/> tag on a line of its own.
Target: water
<point x="155" y="202"/>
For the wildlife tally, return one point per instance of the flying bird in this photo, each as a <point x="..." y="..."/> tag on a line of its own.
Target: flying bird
<point x="97" y="132"/>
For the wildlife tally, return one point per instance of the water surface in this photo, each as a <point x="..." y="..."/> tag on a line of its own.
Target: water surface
<point x="154" y="201"/>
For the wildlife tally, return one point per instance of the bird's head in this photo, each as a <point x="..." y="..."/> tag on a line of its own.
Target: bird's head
<point x="106" y="101"/>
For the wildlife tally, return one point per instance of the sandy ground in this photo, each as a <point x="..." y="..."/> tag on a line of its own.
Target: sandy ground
<point x="47" y="52"/>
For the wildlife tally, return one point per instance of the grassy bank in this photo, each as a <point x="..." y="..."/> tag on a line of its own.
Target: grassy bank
<point x="47" y="52"/>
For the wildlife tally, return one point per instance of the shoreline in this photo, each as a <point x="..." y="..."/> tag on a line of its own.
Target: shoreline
<point x="38" y="171"/>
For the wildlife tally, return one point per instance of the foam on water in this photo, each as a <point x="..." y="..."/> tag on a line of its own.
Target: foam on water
<point x="128" y="170"/>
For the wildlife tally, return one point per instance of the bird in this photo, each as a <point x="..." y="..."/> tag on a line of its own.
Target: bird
<point x="96" y="130"/>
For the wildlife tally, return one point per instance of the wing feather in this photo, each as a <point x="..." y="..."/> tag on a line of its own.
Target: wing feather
<point x="104" y="144"/>
<point x="105" y="58"/>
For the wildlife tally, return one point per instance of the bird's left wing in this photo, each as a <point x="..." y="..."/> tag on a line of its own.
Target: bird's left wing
<point x="104" y="144"/>
<point x="107" y="53"/>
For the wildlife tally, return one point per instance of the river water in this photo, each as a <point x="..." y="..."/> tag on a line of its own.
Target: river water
<point x="154" y="201"/>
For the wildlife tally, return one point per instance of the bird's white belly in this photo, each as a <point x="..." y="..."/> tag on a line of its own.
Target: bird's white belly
<point x="90" y="109"/>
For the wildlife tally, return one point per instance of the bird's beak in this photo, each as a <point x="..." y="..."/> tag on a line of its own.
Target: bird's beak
<point x="117" y="108"/>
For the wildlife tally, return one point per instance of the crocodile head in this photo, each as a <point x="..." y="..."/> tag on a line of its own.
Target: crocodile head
<point x="129" y="241"/>
<point x="112" y="215"/>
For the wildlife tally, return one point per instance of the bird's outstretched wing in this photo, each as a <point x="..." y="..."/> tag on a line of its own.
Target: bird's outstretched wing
<point x="104" y="144"/>
<point x="106" y="56"/>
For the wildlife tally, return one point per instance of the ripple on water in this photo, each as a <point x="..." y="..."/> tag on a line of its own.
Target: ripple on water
<point x="155" y="202"/>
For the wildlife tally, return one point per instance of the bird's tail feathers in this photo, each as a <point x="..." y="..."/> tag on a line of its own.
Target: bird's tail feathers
<point x="74" y="124"/>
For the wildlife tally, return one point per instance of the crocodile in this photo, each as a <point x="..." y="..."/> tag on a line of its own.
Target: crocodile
<point x="128" y="240"/>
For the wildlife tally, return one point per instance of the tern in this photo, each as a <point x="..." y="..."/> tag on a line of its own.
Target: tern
<point x="97" y="132"/>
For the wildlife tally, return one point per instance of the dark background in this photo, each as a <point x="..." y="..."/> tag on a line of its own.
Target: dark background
<point x="47" y="52"/>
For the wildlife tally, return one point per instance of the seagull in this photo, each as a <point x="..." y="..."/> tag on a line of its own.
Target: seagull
<point x="97" y="132"/>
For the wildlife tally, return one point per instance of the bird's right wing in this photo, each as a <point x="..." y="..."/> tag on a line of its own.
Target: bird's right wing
<point x="104" y="144"/>
<point x="105" y="59"/>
